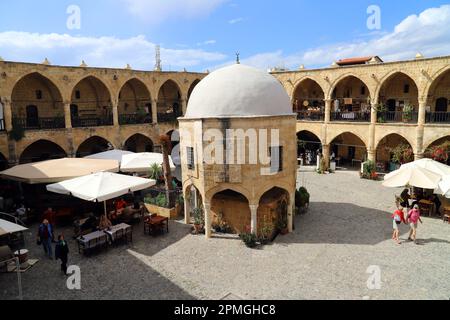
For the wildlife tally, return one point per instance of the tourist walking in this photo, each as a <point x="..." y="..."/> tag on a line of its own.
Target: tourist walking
<point x="46" y="237"/>
<point x="398" y="217"/>
<point x="62" y="253"/>
<point x="413" y="219"/>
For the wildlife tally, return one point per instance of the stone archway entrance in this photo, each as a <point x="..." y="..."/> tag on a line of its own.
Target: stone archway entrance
<point x="92" y="146"/>
<point x="389" y="149"/>
<point x="42" y="150"/>
<point x="349" y="150"/>
<point x="273" y="212"/>
<point x="231" y="208"/>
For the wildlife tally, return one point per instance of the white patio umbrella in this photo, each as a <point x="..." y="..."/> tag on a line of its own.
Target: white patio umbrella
<point x="429" y="164"/>
<point x="141" y="162"/>
<point x="444" y="187"/>
<point x="101" y="187"/>
<point x="412" y="176"/>
<point x="110" y="155"/>
<point x="53" y="171"/>
<point x="7" y="227"/>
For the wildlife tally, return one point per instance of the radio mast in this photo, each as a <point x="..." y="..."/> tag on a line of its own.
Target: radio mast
<point x="158" y="58"/>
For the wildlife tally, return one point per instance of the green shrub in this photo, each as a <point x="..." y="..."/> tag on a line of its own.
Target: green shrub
<point x="249" y="239"/>
<point x="155" y="171"/>
<point x="198" y="215"/>
<point x="302" y="197"/>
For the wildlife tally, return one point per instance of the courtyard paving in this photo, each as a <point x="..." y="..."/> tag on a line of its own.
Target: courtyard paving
<point x="347" y="230"/>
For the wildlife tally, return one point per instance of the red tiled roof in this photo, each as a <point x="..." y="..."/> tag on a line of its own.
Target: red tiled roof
<point x="355" y="61"/>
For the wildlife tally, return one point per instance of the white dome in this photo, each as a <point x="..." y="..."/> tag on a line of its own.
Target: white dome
<point x="238" y="91"/>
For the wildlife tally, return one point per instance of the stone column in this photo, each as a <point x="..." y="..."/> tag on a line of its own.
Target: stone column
<point x="155" y="111"/>
<point x="420" y="129"/>
<point x="67" y="115"/>
<point x="7" y="113"/>
<point x="208" y="220"/>
<point x="187" y="213"/>
<point x="326" y="155"/>
<point x="184" y="106"/>
<point x="254" y="219"/>
<point x="328" y="103"/>
<point x="115" y="108"/>
<point x="371" y="150"/>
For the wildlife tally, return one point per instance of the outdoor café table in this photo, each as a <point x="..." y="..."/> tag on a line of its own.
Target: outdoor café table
<point x="114" y="230"/>
<point x="157" y="221"/>
<point x="92" y="241"/>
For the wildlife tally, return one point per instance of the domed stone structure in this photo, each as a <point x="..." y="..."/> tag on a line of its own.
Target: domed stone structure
<point x="238" y="91"/>
<point x="239" y="152"/>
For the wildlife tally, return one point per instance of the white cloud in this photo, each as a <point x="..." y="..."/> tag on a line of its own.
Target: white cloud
<point x="207" y="43"/>
<point x="99" y="52"/>
<point x="234" y="21"/>
<point x="157" y="11"/>
<point x="428" y="33"/>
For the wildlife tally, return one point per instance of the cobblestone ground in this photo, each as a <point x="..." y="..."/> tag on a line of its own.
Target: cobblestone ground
<point x="347" y="229"/>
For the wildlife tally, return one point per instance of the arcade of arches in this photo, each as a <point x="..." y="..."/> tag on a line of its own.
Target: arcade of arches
<point x="138" y="143"/>
<point x="92" y="146"/>
<point x="170" y="104"/>
<point x="40" y="151"/>
<point x="135" y="103"/>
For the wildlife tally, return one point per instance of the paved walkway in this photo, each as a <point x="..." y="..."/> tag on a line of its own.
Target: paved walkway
<point x="347" y="230"/>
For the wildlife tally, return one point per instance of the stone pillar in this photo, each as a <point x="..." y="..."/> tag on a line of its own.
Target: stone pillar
<point x="187" y="213"/>
<point x="7" y="113"/>
<point x="208" y="220"/>
<point x="115" y="108"/>
<point x="328" y="103"/>
<point x="155" y="111"/>
<point x="67" y="115"/>
<point x="254" y="219"/>
<point x="420" y="129"/>
<point x="326" y="155"/>
<point x="371" y="150"/>
<point x="184" y="106"/>
<point x="291" y="214"/>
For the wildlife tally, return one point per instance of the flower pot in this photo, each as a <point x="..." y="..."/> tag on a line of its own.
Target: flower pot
<point x="198" y="228"/>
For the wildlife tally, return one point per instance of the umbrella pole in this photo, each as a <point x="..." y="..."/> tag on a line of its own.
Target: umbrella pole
<point x="104" y="205"/>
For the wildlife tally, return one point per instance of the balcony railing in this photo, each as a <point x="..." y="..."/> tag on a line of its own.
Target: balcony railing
<point x="167" y="117"/>
<point x="397" y="116"/>
<point x="82" y="122"/>
<point x="125" y="119"/>
<point x="438" y="117"/>
<point x="351" y="116"/>
<point x="40" y="123"/>
<point x="311" y="115"/>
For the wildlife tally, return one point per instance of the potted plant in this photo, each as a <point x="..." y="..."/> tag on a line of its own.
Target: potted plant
<point x="381" y="113"/>
<point x="266" y="234"/>
<point x="282" y="227"/>
<point x="249" y="239"/>
<point x="199" y="220"/>
<point x="407" y="113"/>
<point x="369" y="171"/>
<point x="156" y="172"/>
<point x="302" y="199"/>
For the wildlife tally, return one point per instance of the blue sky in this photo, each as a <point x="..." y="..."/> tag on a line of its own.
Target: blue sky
<point x="205" y="34"/>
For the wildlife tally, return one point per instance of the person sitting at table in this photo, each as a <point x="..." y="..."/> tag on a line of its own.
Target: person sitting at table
<point x="89" y="224"/>
<point x="404" y="198"/>
<point x="105" y="223"/>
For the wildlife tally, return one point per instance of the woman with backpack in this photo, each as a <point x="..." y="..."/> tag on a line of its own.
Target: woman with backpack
<point x="398" y="217"/>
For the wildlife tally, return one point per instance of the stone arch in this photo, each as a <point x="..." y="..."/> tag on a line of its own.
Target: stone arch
<point x="138" y="143"/>
<point x="431" y="143"/>
<point x="134" y="102"/>
<point x="193" y="198"/>
<point x="91" y="103"/>
<point x="273" y="208"/>
<point x="37" y="103"/>
<point x="388" y="76"/>
<point x="349" y="147"/>
<point x="192" y="87"/>
<point x="41" y="150"/>
<point x="169" y="101"/>
<point x="388" y="91"/>
<point x="344" y="76"/>
<point x="388" y="141"/>
<point x="227" y="186"/>
<point x="433" y="78"/>
<point x="231" y="208"/>
<point x="314" y="93"/>
<point x="308" y="145"/>
<point x="92" y="145"/>
<point x="438" y="90"/>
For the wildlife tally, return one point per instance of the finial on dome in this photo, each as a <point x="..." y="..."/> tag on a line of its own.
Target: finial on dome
<point x="128" y="67"/>
<point x="46" y="62"/>
<point x="419" y="56"/>
<point x="238" y="61"/>
<point x="83" y="64"/>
